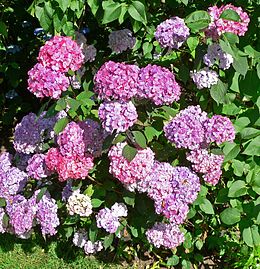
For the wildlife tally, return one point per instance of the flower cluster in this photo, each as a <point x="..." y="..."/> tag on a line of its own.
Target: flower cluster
<point x="116" y="81"/>
<point x="219" y="26"/>
<point x="192" y="129"/>
<point x="129" y="172"/>
<point x="216" y="54"/>
<point x="158" y="84"/>
<point x="79" y="204"/>
<point x="117" y="116"/>
<point x="172" y="33"/>
<point x="108" y="219"/>
<point x="36" y="167"/>
<point x="48" y="77"/>
<point x="89" y="51"/>
<point x="166" y="235"/>
<point x="121" y="40"/>
<point x="80" y="239"/>
<point x="204" y="78"/>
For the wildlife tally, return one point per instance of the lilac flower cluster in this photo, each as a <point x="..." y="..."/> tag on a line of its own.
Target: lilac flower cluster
<point x="36" y="167"/>
<point x="108" y="219"/>
<point x="48" y="77"/>
<point x="2" y="226"/>
<point x="80" y="239"/>
<point x="129" y="172"/>
<point x="117" y="116"/>
<point x="158" y="84"/>
<point x="216" y="54"/>
<point x="192" y="129"/>
<point x="172" y="33"/>
<point x="166" y="235"/>
<point x="204" y="78"/>
<point x="121" y="40"/>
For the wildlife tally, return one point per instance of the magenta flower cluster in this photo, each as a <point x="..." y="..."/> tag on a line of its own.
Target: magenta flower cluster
<point x="192" y="129"/>
<point x="219" y="26"/>
<point x="121" y="40"/>
<point x="48" y="77"/>
<point x="172" y="33"/>
<point x="129" y="172"/>
<point x="109" y="219"/>
<point x="158" y="84"/>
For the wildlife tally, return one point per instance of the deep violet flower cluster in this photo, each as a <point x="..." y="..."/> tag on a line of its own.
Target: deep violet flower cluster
<point x="89" y="51"/>
<point x="166" y="235"/>
<point x="172" y="33"/>
<point x="117" y="116"/>
<point x="130" y="172"/>
<point x="70" y="160"/>
<point x="158" y="84"/>
<point x="36" y="167"/>
<point x="80" y="239"/>
<point x="219" y="26"/>
<point x="193" y="130"/>
<point x="80" y="204"/>
<point x="216" y="54"/>
<point x="116" y="81"/>
<point x="121" y="40"/>
<point x="48" y="77"/>
<point x="108" y="219"/>
<point x="204" y="78"/>
<point x="12" y="179"/>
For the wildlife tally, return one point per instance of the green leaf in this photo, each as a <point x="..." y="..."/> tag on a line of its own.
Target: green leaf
<point x="129" y="198"/>
<point x="232" y="38"/>
<point x="206" y="206"/>
<point x="231" y="150"/>
<point x="230" y="14"/>
<point x="96" y="202"/>
<point x="112" y="11"/>
<point x="193" y="42"/>
<point x="140" y="139"/>
<point x="63" y="4"/>
<point x="92" y="232"/>
<point x="253" y="148"/>
<point x="198" y="20"/>
<point x="68" y="28"/>
<point x="238" y="167"/>
<point x="5" y="220"/>
<point x="3" y="29"/>
<point x="60" y="125"/>
<point x="129" y="152"/>
<point x="134" y="231"/>
<point x="230" y="216"/>
<point x="41" y="193"/>
<point x="241" y="65"/>
<point x="2" y="202"/>
<point x="251" y="236"/>
<point x="249" y="133"/>
<point x="137" y="11"/>
<point x="150" y="132"/>
<point x="172" y="261"/>
<point x="61" y="104"/>
<point x="108" y="240"/>
<point x="218" y="92"/>
<point x="237" y="189"/>
<point x="89" y="190"/>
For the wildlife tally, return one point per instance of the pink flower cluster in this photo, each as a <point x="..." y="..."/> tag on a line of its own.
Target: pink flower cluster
<point x="192" y="129"/>
<point x="165" y="235"/>
<point x="70" y="159"/>
<point x="48" y="77"/>
<point x="116" y="81"/>
<point x="158" y="84"/>
<point x="129" y="172"/>
<point x="117" y="116"/>
<point x="172" y="33"/>
<point x="219" y="26"/>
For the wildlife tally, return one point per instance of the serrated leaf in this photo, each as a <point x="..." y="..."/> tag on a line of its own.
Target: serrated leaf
<point x="230" y="14"/>
<point x="60" y="125"/>
<point x="230" y="216"/>
<point x="129" y="152"/>
<point x="140" y="139"/>
<point x="237" y="189"/>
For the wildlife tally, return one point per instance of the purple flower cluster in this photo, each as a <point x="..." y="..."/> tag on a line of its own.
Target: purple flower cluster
<point x="80" y="239"/>
<point x="108" y="219"/>
<point x="36" y="167"/>
<point x="121" y="40"/>
<point x="192" y="129"/>
<point x="2" y="227"/>
<point x="116" y="81"/>
<point x="165" y="235"/>
<point x="129" y="172"/>
<point x="158" y="84"/>
<point x="117" y="116"/>
<point x="204" y="78"/>
<point x="172" y="33"/>
<point x="216" y="54"/>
